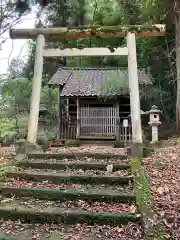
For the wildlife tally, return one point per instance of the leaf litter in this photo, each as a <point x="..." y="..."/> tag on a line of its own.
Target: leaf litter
<point x="46" y="184"/>
<point x="89" y="206"/>
<point x="163" y="169"/>
<point x="121" y="173"/>
<point x="89" y="149"/>
<point x="74" y="232"/>
<point x="83" y="160"/>
<point x="7" y="151"/>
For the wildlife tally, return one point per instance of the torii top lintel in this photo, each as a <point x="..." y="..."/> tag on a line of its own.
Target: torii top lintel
<point x="89" y="31"/>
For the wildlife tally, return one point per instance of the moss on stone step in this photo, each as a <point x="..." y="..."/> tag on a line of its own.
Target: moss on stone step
<point x="73" y="143"/>
<point x="65" y="178"/>
<point x="5" y="237"/>
<point x="153" y="229"/>
<point x="75" y="155"/>
<point x="84" y="166"/>
<point x="14" y="161"/>
<point x="68" y="194"/>
<point x="29" y="236"/>
<point x="59" y="215"/>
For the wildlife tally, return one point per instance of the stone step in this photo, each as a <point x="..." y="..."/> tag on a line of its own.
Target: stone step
<point x="83" y="142"/>
<point x="67" y="177"/>
<point x="75" y="155"/>
<point x="102" y="195"/>
<point x="39" y="213"/>
<point x="24" y="231"/>
<point x="15" y="183"/>
<point x="71" y="165"/>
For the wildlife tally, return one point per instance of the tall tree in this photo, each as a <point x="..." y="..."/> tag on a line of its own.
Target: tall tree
<point x="169" y="12"/>
<point x="176" y="8"/>
<point x="11" y="13"/>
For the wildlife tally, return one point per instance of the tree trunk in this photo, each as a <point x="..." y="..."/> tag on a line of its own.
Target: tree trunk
<point x="177" y="24"/>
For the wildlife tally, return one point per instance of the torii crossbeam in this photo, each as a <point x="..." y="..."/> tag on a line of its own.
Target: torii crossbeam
<point x="89" y="31"/>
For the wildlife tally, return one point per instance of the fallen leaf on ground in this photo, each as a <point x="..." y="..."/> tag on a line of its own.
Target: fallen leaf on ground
<point x="163" y="169"/>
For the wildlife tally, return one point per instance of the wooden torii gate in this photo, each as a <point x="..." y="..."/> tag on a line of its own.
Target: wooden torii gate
<point x="131" y="31"/>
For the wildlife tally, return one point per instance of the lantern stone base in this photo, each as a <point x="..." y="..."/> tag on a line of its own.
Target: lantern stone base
<point x="154" y="126"/>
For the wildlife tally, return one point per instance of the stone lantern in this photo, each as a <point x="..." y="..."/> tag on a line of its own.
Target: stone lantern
<point x="42" y="121"/>
<point x="154" y="122"/>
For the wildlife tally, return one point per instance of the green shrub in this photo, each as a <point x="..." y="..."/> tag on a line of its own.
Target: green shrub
<point x="13" y="128"/>
<point x="7" y="130"/>
<point x="22" y="126"/>
<point x="51" y="135"/>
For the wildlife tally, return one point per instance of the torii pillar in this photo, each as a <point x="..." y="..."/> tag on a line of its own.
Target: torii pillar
<point x="136" y="148"/>
<point x="134" y="89"/>
<point x="36" y="90"/>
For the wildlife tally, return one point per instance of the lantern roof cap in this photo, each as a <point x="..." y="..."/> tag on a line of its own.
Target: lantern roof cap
<point x="154" y="109"/>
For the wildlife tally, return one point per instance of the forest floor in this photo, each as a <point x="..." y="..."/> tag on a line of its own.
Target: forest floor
<point x="163" y="170"/>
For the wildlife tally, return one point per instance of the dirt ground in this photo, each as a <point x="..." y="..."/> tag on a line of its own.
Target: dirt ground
<point x="91" y="149"/>
<point x="84" y="148"/>
<point x="163" y="169"/>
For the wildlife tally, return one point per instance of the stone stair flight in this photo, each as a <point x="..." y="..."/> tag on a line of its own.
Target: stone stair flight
<point x="70" y="188"/>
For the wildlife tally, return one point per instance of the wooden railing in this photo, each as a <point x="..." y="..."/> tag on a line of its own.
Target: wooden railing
<point x="125" y="134"/>
<point x="98" y="121"/>
<point x="68" y="128"/>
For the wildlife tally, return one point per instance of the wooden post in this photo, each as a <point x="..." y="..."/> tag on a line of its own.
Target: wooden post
<point x="59" y="115"/>
<point x="36" y="90"/>
<point x="117" y="121"/>
<point x="134" y="89"/>
<point x="78" y="120"/>
<point x="67" y="107"/>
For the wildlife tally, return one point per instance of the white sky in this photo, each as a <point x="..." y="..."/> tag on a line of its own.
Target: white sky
<point x="15" y="48"/>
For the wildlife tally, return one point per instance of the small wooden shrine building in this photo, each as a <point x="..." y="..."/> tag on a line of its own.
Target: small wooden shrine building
<point x="86" y="109"/>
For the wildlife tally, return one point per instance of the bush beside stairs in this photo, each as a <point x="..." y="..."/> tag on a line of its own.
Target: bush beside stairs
<point x="70" y="188"/>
